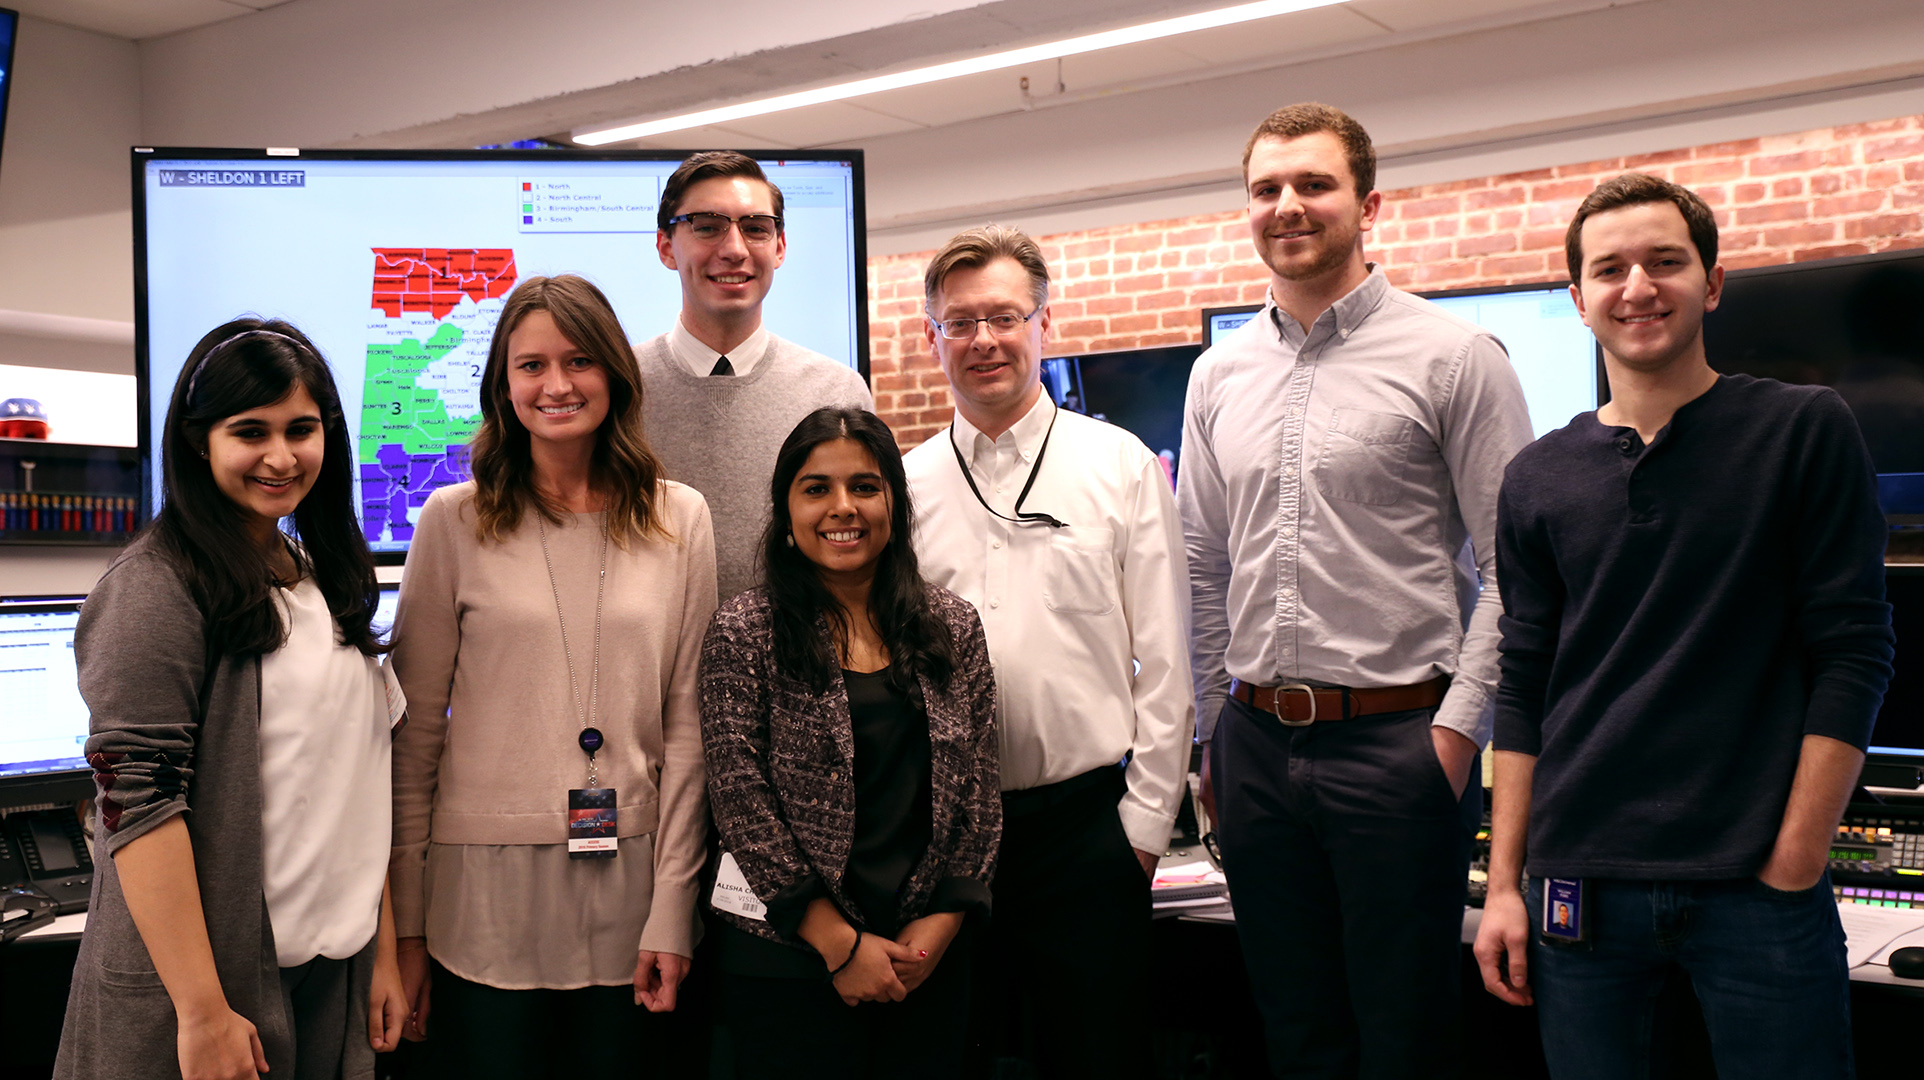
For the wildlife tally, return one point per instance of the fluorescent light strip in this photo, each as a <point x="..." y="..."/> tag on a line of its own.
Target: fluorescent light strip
<point x="1108" y="39"/>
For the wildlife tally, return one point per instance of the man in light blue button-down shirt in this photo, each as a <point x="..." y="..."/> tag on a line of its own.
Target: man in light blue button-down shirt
<point x="1338" y="451"/>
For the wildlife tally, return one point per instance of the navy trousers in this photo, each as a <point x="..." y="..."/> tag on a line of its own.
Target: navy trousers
<point x="1348" y="858"/>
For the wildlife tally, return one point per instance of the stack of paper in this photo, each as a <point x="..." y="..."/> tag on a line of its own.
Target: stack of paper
<point x="1873" y="933"/>
<point x="1187" y="885"/>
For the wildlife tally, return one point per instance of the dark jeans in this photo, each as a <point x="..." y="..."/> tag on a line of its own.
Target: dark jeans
<point x="1067" y="990"/>
<point x="479" y="1032"/>
<point x="319" y="1003"/>
<point x="1348" y="859"/>
<point x="800" y="1029"/>
<point x="1768" y="968"/>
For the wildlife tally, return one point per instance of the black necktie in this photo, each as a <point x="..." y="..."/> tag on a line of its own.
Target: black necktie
<point x="723" y="367"/>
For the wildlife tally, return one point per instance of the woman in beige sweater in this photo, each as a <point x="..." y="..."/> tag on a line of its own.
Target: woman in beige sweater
<point x="549" y="630"/>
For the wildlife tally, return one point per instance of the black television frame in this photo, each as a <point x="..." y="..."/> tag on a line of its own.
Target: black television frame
<point x="1209" y="315"/>
<point x="140" y="156"/>
<point x="1885" y="753"/>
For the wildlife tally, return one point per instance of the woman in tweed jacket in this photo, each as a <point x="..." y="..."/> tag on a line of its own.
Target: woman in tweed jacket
<point x="848" y="724"/>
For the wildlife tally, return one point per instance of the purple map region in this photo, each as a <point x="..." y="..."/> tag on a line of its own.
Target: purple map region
<point x="396" y="483"/>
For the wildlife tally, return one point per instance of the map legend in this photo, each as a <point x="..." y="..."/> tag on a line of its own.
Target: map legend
<point x="597" y="204"/>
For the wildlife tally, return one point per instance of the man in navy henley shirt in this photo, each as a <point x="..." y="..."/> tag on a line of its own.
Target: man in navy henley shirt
<point x="1694" y="647"/>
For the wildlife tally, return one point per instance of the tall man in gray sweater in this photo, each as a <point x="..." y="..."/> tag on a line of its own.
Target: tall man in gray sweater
<point x="721" y="391"/>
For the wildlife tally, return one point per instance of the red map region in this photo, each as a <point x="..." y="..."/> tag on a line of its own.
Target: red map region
<point x="435" y="279"/>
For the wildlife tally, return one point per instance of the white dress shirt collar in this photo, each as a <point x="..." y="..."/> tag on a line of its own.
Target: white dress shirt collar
<point x="700" y="359"/>
<point x="1027" y="433"/>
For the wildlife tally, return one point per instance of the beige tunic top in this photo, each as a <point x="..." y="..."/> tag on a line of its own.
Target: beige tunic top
<point x="483" y="766"/>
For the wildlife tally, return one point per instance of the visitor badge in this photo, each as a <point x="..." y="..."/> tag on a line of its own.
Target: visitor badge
<point x="591" y="823"/>
<point x="732" y="894"/>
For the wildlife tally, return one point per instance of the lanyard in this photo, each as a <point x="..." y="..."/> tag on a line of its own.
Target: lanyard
<point x="590" y="738"/>
<point x="1030" y="518"/>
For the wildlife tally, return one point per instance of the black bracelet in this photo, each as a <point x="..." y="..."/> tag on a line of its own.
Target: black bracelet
<point x="851" y="955"/>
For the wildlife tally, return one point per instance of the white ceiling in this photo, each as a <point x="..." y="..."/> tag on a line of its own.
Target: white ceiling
<point x="1449" y="89"/>
<point x="137" y="19"/>
<point x="1279" y="41"/>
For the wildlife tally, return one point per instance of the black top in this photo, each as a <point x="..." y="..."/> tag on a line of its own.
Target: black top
<point x="891" y="796"/>
<point x="892" y="827"/>
<point x="1677" y="617"/>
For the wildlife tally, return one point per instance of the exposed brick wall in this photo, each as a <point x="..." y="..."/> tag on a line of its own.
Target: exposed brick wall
<point x="1818" y="194"/>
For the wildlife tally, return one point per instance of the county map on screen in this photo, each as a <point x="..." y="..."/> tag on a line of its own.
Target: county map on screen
<point x="433" y="314"/>
<point x="398" y="269"/>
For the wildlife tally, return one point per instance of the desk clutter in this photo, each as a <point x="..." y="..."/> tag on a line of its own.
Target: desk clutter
<point x="1188" y="883"/>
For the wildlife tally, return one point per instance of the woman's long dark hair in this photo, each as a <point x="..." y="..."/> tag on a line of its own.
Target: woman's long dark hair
<point x="241" y="365"/>
<point x="918" y="642"/>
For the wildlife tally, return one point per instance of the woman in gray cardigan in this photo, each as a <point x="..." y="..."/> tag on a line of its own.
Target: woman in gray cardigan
<point x="239" y="923"/>
<point x="848" y="721"/>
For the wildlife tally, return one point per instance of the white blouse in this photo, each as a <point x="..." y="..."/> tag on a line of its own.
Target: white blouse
<point x="325" y="796"/>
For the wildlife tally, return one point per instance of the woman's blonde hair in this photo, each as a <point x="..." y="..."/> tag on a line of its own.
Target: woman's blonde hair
<point x="625" y="472"/>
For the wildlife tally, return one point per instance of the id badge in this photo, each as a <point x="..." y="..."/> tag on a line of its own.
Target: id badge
<point x="591" y="823"/>
<point x="732" y="894"/>
<point x="1565" y="911"/>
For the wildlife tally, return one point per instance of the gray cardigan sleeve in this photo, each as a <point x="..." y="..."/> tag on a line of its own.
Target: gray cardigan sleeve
<point x="141" y="650"/>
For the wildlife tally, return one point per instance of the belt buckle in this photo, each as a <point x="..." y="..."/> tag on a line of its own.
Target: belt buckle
<point x="1277" y="709"/>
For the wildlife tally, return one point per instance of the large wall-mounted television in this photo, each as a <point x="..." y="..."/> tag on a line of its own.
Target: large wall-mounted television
<point x="397" y="264"/>
<point x="1555" y="356"/>
<point x="1855" y="325"/>
<point x="1139" y="390"/>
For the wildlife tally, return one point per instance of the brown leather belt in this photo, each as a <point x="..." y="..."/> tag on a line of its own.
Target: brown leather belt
<point x="1299" y="704"/>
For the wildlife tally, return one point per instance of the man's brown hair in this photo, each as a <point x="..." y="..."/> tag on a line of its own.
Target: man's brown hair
<point x="1308" y="118"/>
<point x="708" y="165"/>
<point x="1635" y="189"/>
<point x="981" y="246"/>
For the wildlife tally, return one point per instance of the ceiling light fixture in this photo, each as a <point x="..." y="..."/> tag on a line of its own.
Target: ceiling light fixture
<point x="1108" y="39"/>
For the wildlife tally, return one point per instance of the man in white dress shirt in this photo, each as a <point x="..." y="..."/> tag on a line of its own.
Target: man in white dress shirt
<point x="1062" y="530"/>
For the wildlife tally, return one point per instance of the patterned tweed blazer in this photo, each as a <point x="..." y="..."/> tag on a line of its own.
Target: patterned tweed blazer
<point x="781" y="763"/>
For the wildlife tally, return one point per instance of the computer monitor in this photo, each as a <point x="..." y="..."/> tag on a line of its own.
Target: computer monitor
<point x="1899" y="733"/>
<point x="43" y="721"/>
<point x="1555" y="356"/>
<point x="1218" y="321"/>
<point x="1139" y="390"/>
<point x="397" y="263"/>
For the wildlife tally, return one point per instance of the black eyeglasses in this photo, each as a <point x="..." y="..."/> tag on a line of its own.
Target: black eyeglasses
<point x="709" y="228"/>
<point x="1004" y="325"/>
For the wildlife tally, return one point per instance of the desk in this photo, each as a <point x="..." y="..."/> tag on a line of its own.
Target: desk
<point x="1877" y="973"/>
<point x="1502" y="1038"/>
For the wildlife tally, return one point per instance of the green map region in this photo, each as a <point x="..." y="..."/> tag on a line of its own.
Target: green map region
<point x="409" y="444"/>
